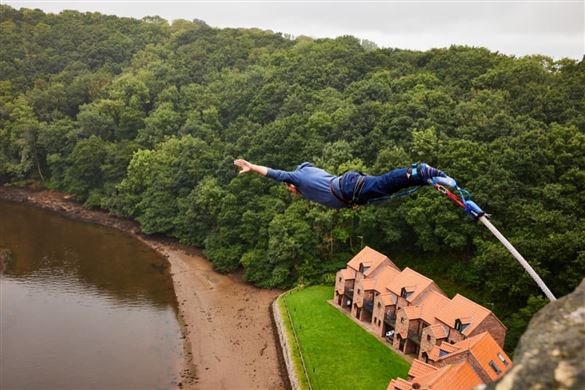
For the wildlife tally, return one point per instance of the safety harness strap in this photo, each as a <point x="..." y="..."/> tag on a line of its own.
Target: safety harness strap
<point x="339" y="198"/>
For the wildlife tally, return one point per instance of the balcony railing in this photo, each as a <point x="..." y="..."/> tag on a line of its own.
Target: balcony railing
<point x="390" y="318"/>
<point x="369" y="305"/>
<point x="348" y="292"/>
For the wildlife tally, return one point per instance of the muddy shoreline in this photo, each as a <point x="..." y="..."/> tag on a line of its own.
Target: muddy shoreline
<point x="227" y="324"/>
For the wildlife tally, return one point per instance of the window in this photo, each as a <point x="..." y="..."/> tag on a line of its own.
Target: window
<point x="340" y="278"/>
<point x="494" y="367"/>
<point x="428" y="337"/>
<point x="358" y="291"/>
<point x="459" y="326"/>
<point x="402" y="320"/>
<point x="442" y="353"/>
<point x="503" y="359"/>
<point x="405" y="294"/>
<point x="379" y="305"/>
<point x="375" y="320"/>
<point x="425" y="356"/>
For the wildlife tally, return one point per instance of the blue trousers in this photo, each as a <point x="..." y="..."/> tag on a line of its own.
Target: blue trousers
<point x="374" y="187"/>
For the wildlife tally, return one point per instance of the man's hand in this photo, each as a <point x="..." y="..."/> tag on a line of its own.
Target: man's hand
<point x="244" y="165"/>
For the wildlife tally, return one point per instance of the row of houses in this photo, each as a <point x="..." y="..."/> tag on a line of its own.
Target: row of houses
<point x="457" y="342"/>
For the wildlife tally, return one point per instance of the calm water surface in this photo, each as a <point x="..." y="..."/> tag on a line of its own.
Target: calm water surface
<point x="82" y="307"/>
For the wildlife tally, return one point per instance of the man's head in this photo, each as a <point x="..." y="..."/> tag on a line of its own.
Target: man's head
<point x="292" y="188"/>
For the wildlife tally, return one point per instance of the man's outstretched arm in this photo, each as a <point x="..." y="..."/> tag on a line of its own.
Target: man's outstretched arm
<point x="245" y="167"/>
<point x="276" y="174"/>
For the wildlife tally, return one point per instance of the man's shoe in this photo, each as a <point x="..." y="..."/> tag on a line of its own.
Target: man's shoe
<point x="444" y="181"/>
<point x="430" y="175"/>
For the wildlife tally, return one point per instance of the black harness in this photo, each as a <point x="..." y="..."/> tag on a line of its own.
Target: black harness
<point x="354" y="201"/>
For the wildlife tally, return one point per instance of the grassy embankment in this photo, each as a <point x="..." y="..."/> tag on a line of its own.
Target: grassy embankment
<point x="338" y="353"/>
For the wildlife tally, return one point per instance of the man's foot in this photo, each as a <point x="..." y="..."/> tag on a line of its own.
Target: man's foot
<point x="430" y="175"/>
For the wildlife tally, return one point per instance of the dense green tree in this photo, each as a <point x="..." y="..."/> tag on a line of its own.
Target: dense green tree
<point x="84" y="172"/>
<point x="144" y="118"/>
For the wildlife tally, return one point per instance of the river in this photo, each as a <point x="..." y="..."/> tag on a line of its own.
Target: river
<point x="83" y="306"/>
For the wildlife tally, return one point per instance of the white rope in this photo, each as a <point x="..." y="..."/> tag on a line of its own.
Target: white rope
<point x="518" y="257"/>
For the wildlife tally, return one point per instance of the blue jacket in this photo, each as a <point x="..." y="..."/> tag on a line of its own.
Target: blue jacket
<point x="312" y="182"/>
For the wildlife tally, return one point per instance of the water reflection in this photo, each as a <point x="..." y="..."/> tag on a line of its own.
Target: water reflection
<point x="82" y="306"/>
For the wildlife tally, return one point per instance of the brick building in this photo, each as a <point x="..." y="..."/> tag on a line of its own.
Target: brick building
<point x="481" y="351"/>
<point x="459" y="342"/>
<point x="460" y="376"/>
<point x="360" y="275"/>
<point x="412" y="320"/>
<point x="457" y="320"/>
<point x="460" y="366"/>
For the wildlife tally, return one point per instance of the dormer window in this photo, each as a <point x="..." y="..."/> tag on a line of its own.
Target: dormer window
<point x="502" y="359"/>
<point x="459" y="326"/>
<point x="494" y="367"/>
<point x="442" y="353"/>
<point x="364" y="268"/>
<point x="405" y="294"/>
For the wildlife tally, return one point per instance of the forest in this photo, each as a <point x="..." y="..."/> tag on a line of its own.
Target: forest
<point x="143" y="118"/>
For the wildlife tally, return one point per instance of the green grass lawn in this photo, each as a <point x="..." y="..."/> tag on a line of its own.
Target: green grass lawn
<point x="338" y="353"/>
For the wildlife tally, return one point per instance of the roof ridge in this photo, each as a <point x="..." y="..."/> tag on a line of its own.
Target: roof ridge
<point x="418" y="273"/>
<point x="472" y="301"/>
<point x="434" y="376"/>
<point x="425" y="364"/>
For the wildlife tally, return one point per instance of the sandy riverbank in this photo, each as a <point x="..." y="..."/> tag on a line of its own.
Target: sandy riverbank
<point x="229" y="335"/>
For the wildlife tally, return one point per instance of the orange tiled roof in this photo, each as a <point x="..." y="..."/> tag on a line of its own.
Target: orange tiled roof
<point x="439" y="331"/>
<point x="412" y="280"/>
<point x="368" y="256"/>
<point x="430" y="303"/>
<point x="384" y="277"/>
<point x="399" y="384"/>
<point x="348" y="273"/>
<point x="428" y="379"/>
<point x="461" y="308"/>
<point x="412" y="312"/>
<point x="369" y="284"/>
<point x="388" y="299"/>
<point x="420" y="368"/>
<point x="435" y="353"/>
<point x="485" y="349"/>
<point x="459" y="376"/>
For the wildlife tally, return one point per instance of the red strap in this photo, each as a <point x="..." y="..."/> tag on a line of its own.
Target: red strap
<point x="451" y="195"/>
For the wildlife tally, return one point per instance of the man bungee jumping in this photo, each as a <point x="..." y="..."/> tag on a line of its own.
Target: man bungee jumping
<point x="353" y="188"/>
